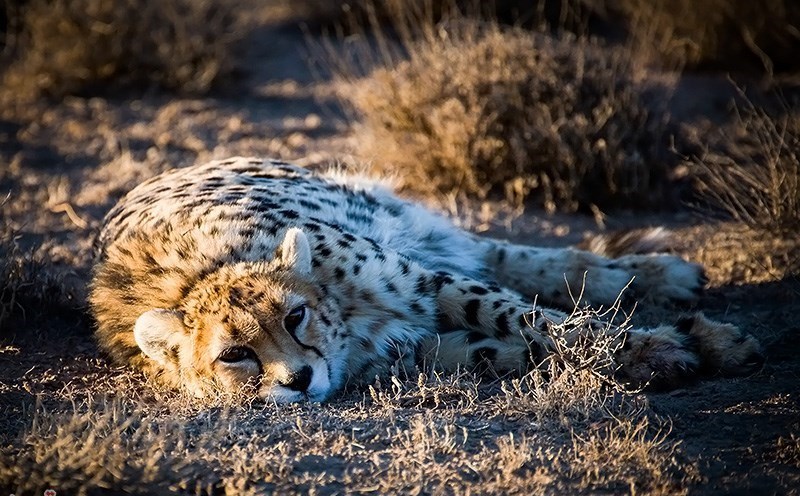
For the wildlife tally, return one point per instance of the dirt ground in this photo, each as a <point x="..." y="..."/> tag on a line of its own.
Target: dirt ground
<point x="66" y="164"/>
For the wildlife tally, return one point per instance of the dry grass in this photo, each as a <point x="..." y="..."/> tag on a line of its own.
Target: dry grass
<point x="442" y="434"/>
<point x="25" y="282"/>
<point x="756" y="180"/>
<point x="628" y="456"/>
<point x="482" y="110"/>
<point x="352" y="445"/>
<point x="83" y="46"/>
<point x="787" y="450"/>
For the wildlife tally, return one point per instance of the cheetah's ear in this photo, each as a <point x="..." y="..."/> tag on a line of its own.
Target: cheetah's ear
<point x="295" y="252"/>
<point x="158" y="333"/>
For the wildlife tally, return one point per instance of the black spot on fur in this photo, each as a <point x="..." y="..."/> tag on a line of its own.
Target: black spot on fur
<point x="339" y="273"/>
<point x="173" y="354"/>
<point x="422" y="284"/>
<point x="129" y="298"/>
<point x="117" y="276"/>
<point x="501" y="326"/>
<point x="478" y="290"/>
<point x="404" y="267"/>
<point x="309" y="205"/>
<point x="325" y="320"/>
<point x="289" y="214"/>
<point x="417" y="308"/>
<point x="366" y="344"/>
<point x="442" y="278"/>
<point x="471" y="312"/>
<point x="475" y="337"/>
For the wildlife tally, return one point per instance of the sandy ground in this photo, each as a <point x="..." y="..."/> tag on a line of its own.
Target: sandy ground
<point x="66" y="164"/>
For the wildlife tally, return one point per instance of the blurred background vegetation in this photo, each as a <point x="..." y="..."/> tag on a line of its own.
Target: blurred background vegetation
<point x="563" y="104"/>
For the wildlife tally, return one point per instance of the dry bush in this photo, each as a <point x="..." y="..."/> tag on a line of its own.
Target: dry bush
<point x="725" y="34"/>
<point x="478" y="109"/>
<point x="80" y="46"/>
<point x="756" y="179"/>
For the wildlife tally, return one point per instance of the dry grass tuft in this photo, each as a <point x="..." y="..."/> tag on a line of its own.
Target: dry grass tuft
<point x="787" y="450"/>
<point x="629" y="455"/>
<point x="25" y="284"/>
<point x="84" y="450"/>
<point x="483" y="110"/>
<point x="82" y="46"/>
<point x="757" y="180"/>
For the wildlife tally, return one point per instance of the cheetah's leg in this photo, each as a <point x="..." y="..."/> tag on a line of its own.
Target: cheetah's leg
<point x="494" y="325"/>
<point x="557" y="275"/>
<point x="444" y="302"/>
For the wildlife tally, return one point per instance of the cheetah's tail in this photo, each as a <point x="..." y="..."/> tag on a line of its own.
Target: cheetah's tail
<point x="630" y="242"/>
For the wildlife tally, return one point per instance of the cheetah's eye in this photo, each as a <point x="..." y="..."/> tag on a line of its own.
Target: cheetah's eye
<point x="294" y="318"/>
<point x="236" y="354"/>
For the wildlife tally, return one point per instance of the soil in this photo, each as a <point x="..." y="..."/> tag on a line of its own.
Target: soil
<point x="65" y="164"/>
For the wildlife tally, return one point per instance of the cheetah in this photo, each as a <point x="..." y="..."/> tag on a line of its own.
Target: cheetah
<point x="258" y="275"/>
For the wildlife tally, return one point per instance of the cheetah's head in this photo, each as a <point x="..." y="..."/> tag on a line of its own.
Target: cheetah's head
<point x="259" y="326"/>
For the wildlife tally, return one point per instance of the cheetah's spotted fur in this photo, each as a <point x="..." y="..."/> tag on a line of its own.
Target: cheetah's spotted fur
<point x="249" y="271"/>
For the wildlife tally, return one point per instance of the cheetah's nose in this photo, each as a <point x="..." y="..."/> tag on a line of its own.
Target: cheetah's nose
<point x="300" y="380"/>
